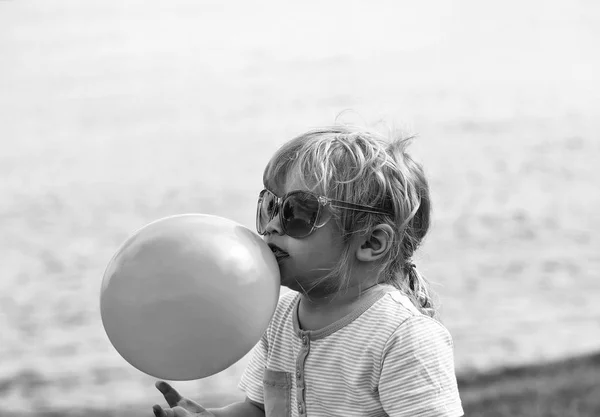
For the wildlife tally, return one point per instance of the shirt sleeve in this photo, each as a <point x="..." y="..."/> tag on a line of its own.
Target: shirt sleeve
<point x="252" y="378"/>
<point x="417" y="372"/>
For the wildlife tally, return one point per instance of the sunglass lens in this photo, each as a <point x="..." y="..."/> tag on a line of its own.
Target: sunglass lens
<point x="299" y="214"/>
<point x="265" y="210"/>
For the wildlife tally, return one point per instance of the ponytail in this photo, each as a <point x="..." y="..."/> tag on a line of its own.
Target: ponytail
<point x="418" y="290"/>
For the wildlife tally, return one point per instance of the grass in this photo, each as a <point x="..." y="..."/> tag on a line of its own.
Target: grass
<point x="567" y="388"/>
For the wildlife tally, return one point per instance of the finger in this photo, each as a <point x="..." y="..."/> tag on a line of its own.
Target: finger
<point x="158" y="411"/>
<point x="170" y="394"/>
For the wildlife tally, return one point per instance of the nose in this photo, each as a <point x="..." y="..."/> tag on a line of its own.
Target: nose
<point x="274" y="226"/>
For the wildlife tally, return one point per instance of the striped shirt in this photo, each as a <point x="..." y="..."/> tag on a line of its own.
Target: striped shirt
<point x="383" y="359"/>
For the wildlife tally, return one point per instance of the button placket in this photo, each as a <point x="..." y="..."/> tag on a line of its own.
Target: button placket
<point x="300" y="382"/>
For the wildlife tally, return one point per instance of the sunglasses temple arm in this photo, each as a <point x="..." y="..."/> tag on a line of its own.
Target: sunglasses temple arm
<point x="356" y="207"/>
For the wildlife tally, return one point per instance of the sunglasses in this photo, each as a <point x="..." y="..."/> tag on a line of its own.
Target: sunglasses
<point x="300" y="212"/>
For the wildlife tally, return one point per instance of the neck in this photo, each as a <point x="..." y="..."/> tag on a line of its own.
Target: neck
<point x="317" y="313"/>
<point x="328" y="298"/>
<point x="336" y="300"/>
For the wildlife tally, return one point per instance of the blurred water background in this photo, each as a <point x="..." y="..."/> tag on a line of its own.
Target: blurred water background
<point x="116" y="113"/>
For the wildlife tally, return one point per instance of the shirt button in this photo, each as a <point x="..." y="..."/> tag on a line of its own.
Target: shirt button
<point x="304" y="340"/>
<point x="300" y="408"/>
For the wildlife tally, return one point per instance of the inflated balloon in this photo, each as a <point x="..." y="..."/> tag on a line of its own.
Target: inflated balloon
<point x="187" y="296"/>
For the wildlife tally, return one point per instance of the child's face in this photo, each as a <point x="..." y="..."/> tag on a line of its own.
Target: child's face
<point x="303" y="262"/>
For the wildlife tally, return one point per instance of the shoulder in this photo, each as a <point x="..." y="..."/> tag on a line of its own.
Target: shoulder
<point x="399" y="312"/>
<point x="421" y="333"/>
<point x="409" y="326"/>
<point x="400" y="304"/>
<point x="394" y="322"/>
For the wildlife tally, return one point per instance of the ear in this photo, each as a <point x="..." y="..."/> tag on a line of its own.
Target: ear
<point x="376" y="244"/>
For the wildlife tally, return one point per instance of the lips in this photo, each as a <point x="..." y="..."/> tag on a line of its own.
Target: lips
<point x="278" y="252"/>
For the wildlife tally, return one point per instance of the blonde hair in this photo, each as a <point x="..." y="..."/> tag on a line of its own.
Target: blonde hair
<point x="364" y="167"/>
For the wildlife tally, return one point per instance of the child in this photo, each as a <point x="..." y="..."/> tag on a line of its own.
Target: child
<point x="343" y="211"/>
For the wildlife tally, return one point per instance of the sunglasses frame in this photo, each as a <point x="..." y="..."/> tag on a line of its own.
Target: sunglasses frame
<point x="323" y="203"/>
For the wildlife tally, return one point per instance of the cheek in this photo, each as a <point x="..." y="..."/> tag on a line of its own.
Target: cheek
<point x="318" y="252"/>
<point x="306" y="253"/>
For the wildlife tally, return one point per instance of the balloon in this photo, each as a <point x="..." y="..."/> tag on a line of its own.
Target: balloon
<point x="187" y="296"/>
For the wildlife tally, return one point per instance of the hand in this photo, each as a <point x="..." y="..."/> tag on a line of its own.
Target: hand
<point x="180" y="406"/>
